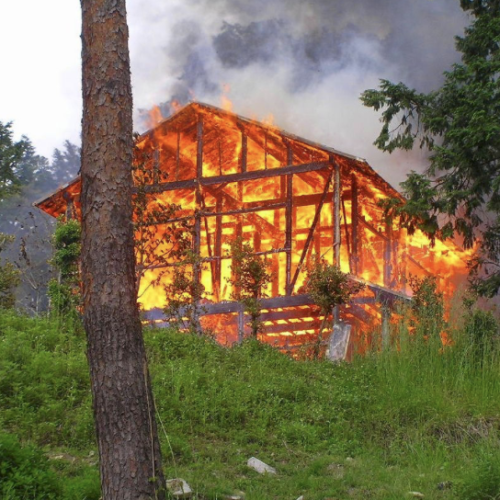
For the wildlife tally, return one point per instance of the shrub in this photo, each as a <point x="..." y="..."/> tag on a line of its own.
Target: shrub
<point x="25" y="472"/>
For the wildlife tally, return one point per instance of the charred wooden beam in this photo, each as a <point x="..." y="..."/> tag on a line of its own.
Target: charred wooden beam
<point x="244" y="152"/>
<point x="197" y="223"/>
<point x="271" y="147"/>
<point x="245" y="176"/>
<point x="295" y="313"/>
<point x="288" y="233"/>
<point x="254" y="218"/>
<point x="387" y="257"/>
<point x="292" y="327"/>
<point x="355" y="225"/>
<point x="245" y="210"/>
<point x="336" y="212"/>
<point x="309" y="239"/>
<point x="282" y="302"/>
<point x="347" y="239"/>
<point x="241" y="323"/>
<point x="373" y="229"/>
<point x="386" y="323"/>
<point x="218" y="247"/>
<point x="275" y="262"/>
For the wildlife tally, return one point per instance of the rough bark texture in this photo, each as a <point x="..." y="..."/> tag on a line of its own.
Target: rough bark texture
<point x="123" y="404"/>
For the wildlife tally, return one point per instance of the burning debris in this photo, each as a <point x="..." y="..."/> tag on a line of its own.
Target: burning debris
<point x="293" y="201"/>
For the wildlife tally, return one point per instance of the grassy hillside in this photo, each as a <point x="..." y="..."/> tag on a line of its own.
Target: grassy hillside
<point x="417" y="418"/>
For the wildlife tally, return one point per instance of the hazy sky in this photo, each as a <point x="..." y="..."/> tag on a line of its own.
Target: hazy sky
<point x="303" y="61"/>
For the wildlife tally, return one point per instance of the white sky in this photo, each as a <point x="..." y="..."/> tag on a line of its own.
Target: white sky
<point x="40" y="88"/>
<point x="40" y="70"/>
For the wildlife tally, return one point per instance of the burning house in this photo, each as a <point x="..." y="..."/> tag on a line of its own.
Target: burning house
<point x="293" y="201"/>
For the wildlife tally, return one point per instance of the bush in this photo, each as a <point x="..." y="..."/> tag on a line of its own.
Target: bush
<point x="481" y="333"/>
<point x="25" y="472"/>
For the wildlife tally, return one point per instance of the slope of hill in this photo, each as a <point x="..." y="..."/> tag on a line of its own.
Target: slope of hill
<point x="415" y="419"/>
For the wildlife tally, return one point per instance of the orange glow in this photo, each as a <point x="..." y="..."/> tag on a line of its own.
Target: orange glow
<point x="154" y="117"/>
<point x="386" y="257"/>
<point x="226" y="103"/>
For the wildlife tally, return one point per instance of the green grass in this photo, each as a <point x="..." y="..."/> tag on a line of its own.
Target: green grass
<point x="413" y="418"/>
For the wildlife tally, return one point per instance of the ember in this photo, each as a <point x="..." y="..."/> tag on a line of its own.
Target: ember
<point x="295" y="202"/>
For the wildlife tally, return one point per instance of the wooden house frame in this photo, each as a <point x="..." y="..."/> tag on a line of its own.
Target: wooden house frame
<point x="295" y="202"/>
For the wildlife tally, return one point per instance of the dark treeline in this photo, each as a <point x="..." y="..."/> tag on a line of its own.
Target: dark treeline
<point x="26" y="177"/>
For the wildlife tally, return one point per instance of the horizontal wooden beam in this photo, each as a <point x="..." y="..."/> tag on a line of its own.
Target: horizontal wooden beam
<point x="238" y="177"/>
<point x="292" y="327"/>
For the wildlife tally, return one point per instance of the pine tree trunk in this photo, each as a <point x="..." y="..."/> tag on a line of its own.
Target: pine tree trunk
<point x="130" y="460"/>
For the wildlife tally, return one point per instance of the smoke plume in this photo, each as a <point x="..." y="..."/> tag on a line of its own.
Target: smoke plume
<point x="303" y="62"/>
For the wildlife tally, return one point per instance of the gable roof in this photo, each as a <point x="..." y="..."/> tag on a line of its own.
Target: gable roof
<point x="267" y="146"/>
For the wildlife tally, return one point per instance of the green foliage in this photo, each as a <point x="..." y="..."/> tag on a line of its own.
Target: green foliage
<point x="482" y="481"/>
<point x="328" y="286"/>
<point x="481" y="332"/>
<point x="9" y="277"/>
<point x="64" y="293"/>
<point x="32" y="228"/>
<point x="250" y="276"/>
<point x="158" y="242"/>
<point x="427" y="307"/>
<point x="184" y="293"/>
<point x="67" y="243"/>
<point x="25" y="472"/>
<point x="44" y="382"/>
<point x="460" y="125"/>
<point x="11" y="156"/>
<point x="407" y="419"/>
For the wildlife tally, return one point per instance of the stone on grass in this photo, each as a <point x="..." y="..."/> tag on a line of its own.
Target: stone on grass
<point x="178" y="488"/>
<point x="260" y="466"/>
<point x="237" y="495"/>
<point x="416" y="494"/>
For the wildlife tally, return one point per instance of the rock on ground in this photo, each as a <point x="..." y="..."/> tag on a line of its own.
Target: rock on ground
<point x="260" y="466"/>
<point x="178" y="488"/>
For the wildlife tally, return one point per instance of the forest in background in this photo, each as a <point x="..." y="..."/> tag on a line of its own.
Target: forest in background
<point x="25" y="178"/>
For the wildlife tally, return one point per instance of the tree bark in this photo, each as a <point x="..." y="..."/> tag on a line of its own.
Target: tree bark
<point x="130" y="459"/>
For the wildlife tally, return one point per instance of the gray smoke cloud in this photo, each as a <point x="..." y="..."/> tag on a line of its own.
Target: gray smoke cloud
<point x="305" y="62"/>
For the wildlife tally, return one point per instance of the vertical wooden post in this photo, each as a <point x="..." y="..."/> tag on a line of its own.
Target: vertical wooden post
<point x="336" y="226"/>
<point x="347" y="237"/>
<point x="197" y="223"/>
<point x="241" y="324"/>
<point x="288" y="229"/>
<point x="404" y="253"/>
<point x="218" y="248"/>
<point x="355" y="225"/>
<point x="386" y="322"/>
<point x="336" y="213"/>
<point x="387" y="256"/>
<point x="257" y="240"/>
<point x="275" y="261"/>
<point x="244" y="152"/>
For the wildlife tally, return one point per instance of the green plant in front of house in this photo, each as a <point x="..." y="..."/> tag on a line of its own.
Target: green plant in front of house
<point x="250" y="276"/>
<point x="64" y="292"/>
<point x="427" y="308"/>
<point x="329" y="287"/>
<point x="184" y="292"/>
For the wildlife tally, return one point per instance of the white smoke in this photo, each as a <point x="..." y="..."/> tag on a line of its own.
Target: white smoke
<point x="303" y="62"/>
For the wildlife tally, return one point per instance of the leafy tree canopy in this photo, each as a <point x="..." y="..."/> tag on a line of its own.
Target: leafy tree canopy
<point x="459" y="193"/>
<point x="11" y="155"/>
